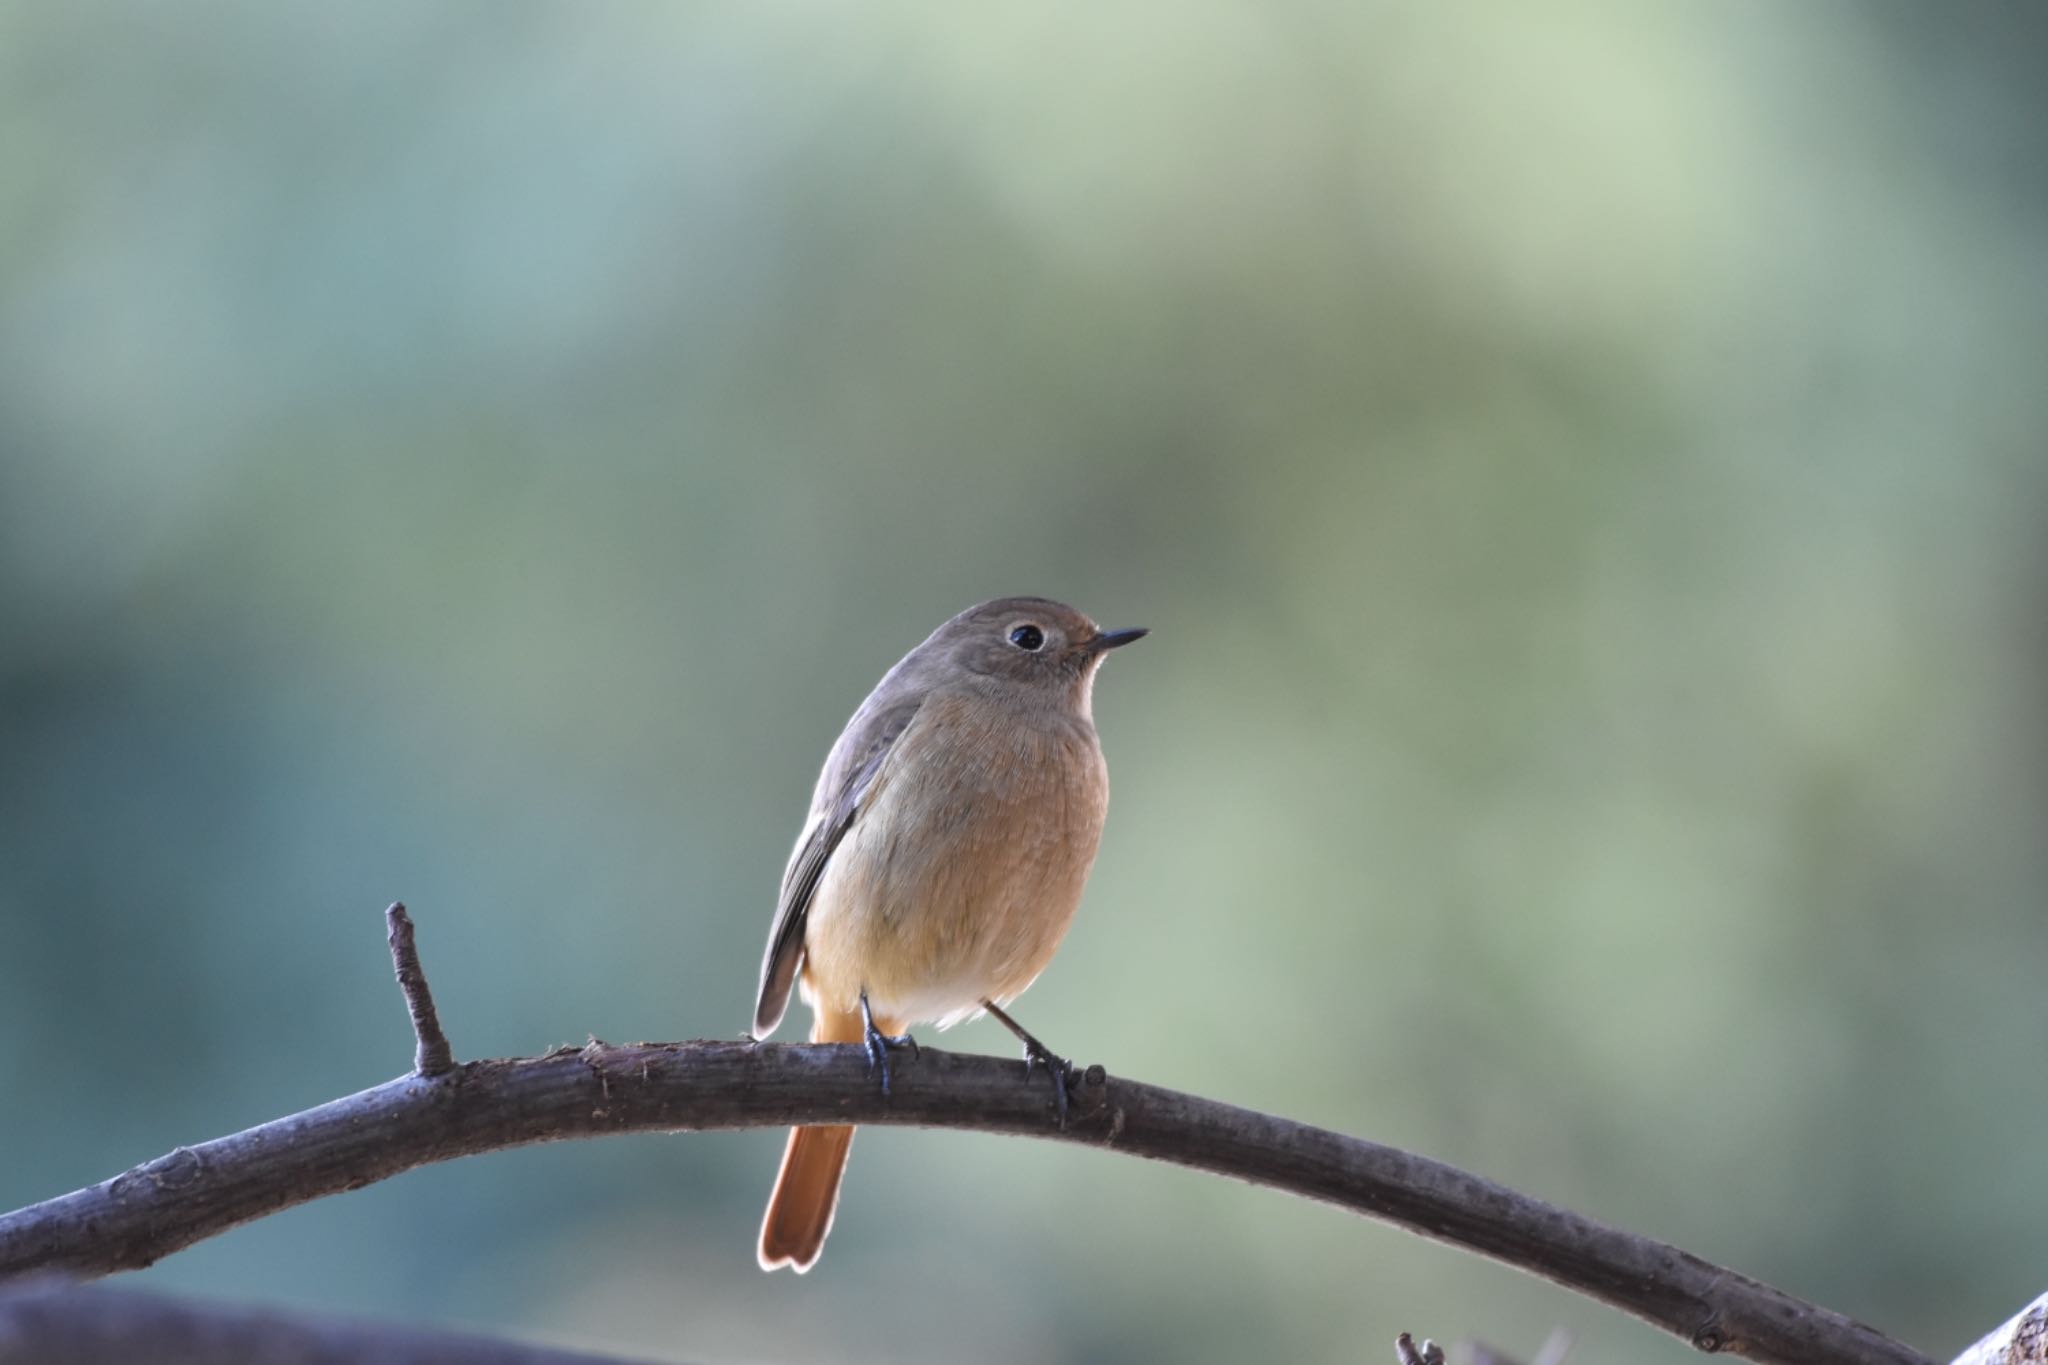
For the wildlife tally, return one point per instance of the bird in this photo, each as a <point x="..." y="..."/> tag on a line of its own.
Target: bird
<point x="950" y="834"/>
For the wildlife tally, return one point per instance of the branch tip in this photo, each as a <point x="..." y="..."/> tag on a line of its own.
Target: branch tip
<point x="431" y="1056"/>
<point x="1408" y="1353"/>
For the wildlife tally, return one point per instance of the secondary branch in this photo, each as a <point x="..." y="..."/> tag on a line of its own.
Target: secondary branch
<point x="47" y="1322"/>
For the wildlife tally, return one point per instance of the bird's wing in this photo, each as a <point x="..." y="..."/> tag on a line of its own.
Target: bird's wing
<point x="849" y="775"/>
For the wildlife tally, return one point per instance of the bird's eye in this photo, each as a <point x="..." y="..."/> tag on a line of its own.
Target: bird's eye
<point x="1028" y="637"/>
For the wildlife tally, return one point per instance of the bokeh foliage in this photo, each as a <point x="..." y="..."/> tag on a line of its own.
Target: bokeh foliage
<point x="1583" y="465"/>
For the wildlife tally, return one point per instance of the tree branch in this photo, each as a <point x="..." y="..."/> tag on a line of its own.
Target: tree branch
<point x="443" y="1111"/>
<point x="197" y="1192"/>
<point x="2021" y="1340"/>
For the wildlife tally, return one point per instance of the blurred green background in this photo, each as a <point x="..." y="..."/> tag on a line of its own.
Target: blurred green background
<point x="1583" y="467"/>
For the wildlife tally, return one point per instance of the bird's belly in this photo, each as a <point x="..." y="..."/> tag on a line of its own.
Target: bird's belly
<point x="940" y="898"/>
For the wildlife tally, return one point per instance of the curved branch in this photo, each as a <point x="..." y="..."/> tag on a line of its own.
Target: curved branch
<point x="196" y="1192"/>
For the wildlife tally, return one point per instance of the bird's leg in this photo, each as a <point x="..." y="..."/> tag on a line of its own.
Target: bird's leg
<point x="1037" y="1054"/>
<point x="878" y="1043"/>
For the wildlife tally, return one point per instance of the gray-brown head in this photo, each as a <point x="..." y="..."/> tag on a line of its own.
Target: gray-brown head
<point x="1028" y="643"/>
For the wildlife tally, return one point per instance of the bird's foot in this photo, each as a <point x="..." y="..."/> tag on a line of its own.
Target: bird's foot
<point x="878" y="1043"/>
<point x="1037" y="1054"/>
<point x="1059" y="1068"/>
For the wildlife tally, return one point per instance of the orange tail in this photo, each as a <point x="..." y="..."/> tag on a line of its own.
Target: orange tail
<point x="807" y="1191"/>
<point x="806" y="1196"/>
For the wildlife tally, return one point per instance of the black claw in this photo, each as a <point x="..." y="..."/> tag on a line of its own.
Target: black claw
<point x="1037" y="1054"/>
<point x="878" y="1043"/>
<point x="1058" y="1068"/>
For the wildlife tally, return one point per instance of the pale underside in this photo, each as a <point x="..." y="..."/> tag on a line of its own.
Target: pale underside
<point x="959" y="876"/>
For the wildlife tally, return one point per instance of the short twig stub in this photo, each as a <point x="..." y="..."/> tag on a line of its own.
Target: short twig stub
<point x="432" y="1056"/>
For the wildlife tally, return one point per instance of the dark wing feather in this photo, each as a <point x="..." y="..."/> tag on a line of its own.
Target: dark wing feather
<point x="848" y="774"/>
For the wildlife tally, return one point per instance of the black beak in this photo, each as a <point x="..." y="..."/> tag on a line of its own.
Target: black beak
<point x="1116" y="639"/>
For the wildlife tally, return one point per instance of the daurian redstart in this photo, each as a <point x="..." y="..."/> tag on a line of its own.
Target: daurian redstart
<point x="949" y="836"/>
